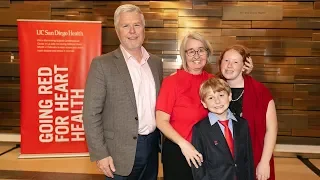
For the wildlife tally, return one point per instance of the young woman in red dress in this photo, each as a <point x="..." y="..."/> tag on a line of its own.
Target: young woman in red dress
<point x="252" y="101"/>
<point x="179" y="107"/>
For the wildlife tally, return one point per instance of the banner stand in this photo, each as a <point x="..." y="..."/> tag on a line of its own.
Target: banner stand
<point x="55" y="57"/>
<point x="59" y="155"/>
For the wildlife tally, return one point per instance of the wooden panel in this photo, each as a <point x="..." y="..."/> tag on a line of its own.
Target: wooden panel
<point x="306" y="79"/>
<point x="274" y="79"/>
<point x="9" y="94"/>
<point x="289" y="121"/>
<point x="5" y="57"/>
<point x="71" y="4"/>
<point x="274" y="24"/>
<point x="279" y="87"/>
<point x="308" y="25"/>
<point x="154" y="23"/>
<point x="252" y="13"/>
<point x="9" y="69"/>
<point x="8" y="32"/>
<point x="161" y="15"/>
<point x="170" y="24"/>
<point x="289" y="94"/>
<point x="267" y="32"/>
<point x="104" y="11"/>
<point x="243" y="32"/>
<point x="205" y="32"/>
<point x="307" y="87"/>
<point x="273" y="60"/>
<point x="4" y="3"/>
<point x="10" y="17"/>
<point x="316" y="37"/>
<point x="306" y="132"/>
<point x="109" y="37"/>
<point x="202" y="12"/>
<point x="301" y="44"/>
<point x="9" y="122"/>
<point x="9" y="45"/>
<point x="171" y="5"/>
<point x="161" y="45"/>
<point x="301" y="13"/>
<point x="289" y="33"/>
<point x="260" y="44"/>
<point x="9" y="106"/>
<point x="298" y="140"/>
<point x="224" y="3"/>
<point x="9" y="129"/>
<point x="199" y="23"/>
<point x="316" y="5"/>
<point x="160" y="34"/>
<point x="236" y="24"/>
<point x="220" y="43"/>
<point x="294" y="5"/>
<point x="308" y="71"/>
<point x="308" y="60"/>
<point x="307" y="104"/>
<point x="30" y="7"/>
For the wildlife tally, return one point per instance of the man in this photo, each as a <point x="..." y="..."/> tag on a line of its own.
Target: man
<point x="119" y="103"/>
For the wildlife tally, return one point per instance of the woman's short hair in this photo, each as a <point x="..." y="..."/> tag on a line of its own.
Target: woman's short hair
<point x="215" y="84"/>
<point x="127" y="8"/>
<point x="242" y="50"/>
<point x="196" y="36"/>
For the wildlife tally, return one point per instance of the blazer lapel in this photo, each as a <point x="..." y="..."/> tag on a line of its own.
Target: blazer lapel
<point x="217" y="135"/>
<point x="236" y="135"/>
<point x="155" y="73"/>
<point x="124" y="71"/>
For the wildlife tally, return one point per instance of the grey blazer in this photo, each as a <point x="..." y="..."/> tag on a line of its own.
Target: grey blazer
<point x="109" y="112"/>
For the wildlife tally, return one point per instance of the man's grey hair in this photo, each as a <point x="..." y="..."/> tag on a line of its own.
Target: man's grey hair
<point x="127" y="8"/>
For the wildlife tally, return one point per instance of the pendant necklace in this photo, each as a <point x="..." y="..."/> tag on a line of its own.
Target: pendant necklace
<point x="233" y="100"/>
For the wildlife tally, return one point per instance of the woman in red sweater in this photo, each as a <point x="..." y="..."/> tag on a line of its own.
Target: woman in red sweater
<point x="179" y="107"/>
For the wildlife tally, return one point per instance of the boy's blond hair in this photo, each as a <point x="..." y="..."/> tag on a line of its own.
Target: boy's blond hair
<point x="215" y="84"/>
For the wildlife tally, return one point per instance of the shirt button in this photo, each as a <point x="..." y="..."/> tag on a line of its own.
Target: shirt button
<point x="136" y="118"/>
<point x="235" y="165"/>
<point x="134" y="137"/>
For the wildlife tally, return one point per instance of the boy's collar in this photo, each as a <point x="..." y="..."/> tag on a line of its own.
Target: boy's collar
<point x="214" y="118"/>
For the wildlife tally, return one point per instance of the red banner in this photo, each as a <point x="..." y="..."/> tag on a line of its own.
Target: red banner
<point x="54" y="61"/>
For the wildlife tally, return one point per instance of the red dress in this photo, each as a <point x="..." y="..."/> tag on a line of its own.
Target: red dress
<point x="179" y="97"/>
<point x="256" y="98"/>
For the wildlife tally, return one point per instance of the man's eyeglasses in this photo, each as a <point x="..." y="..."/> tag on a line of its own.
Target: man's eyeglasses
<point x="201" y="51"/>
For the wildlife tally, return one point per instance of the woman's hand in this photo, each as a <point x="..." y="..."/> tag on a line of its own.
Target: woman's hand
<point x="248" y="65"/>
<point x="191" y="154"/>
<point x="263" y="171"/>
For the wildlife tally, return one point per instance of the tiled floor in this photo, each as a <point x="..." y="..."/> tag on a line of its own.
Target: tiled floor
<point x="81" y="168"/>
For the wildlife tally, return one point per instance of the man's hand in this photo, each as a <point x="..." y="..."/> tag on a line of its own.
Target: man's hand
<point x="106" y="166"/>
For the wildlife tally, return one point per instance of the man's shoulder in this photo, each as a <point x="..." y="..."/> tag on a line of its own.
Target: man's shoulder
<point x="155" y="57"/>
<point x="105" y="57"/>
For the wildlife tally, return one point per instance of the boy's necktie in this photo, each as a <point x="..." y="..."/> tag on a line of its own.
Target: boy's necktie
<point x="228" y="135"/>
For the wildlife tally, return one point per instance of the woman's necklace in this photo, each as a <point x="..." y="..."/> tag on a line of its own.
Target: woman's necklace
<point x="238" y="97"/>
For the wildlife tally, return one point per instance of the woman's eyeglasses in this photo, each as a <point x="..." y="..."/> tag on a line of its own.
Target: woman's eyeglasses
<point x="201" y="51"/>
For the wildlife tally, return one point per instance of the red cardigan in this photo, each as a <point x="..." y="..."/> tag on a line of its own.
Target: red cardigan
<point x="256" y="98"/>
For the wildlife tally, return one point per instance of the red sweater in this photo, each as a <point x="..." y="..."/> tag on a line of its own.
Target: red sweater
<point x="179" y="97"/>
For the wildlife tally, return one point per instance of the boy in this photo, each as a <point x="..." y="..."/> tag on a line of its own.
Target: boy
<point x="222" y="139"/>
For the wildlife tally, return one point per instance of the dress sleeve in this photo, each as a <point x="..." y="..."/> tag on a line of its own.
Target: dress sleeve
<point x="167" y="95"/>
